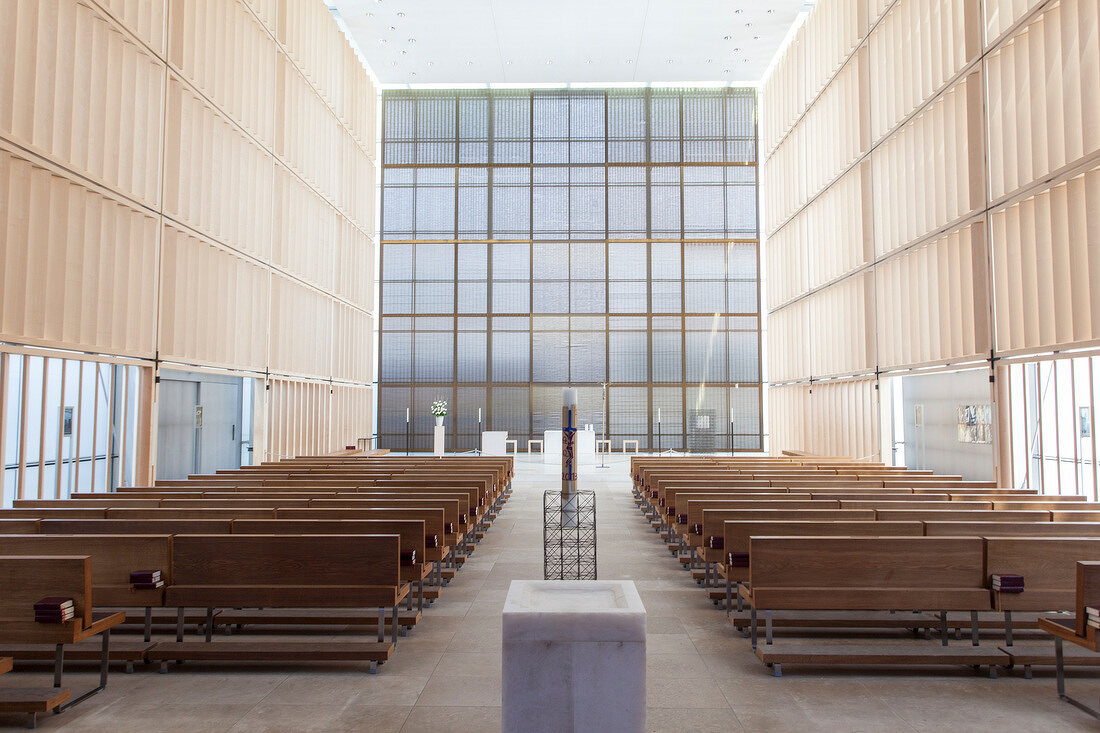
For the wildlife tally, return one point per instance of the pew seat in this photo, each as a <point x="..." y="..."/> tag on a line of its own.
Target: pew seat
<point x="271" y="651"/>
<point x="864" y="655"/>
<point x="310" y="617"/>
<point x="1042" y="655"/>
<point x="127" y="652"/>
<point x="32" y="700"/>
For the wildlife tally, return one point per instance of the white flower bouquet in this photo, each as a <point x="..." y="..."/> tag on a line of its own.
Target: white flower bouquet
<point x="439" y="408"/>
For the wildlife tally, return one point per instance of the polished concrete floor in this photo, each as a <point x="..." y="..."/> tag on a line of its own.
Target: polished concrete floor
<point x="446" y="675"/>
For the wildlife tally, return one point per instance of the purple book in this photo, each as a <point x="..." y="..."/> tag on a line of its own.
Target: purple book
<point x="54" y="603"/>
<point x="739" y="559"/>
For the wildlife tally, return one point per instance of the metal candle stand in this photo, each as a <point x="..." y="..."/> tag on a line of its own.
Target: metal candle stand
<point x="569" y="515"/>
<point x="569" y="538"/>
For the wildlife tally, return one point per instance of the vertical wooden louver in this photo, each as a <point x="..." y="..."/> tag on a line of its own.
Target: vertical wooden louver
<point x="959" y="182"/>
<point x="194" y="182"/>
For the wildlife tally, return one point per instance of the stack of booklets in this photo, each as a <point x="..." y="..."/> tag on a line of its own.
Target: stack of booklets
<point x="408" y="557"/>
<point x="1093" y="614"/>
<point x="1008" y="583"/>
<point x="146" y="580"/>
<point x="54" y="610"/>
<point x="739" y="559"/>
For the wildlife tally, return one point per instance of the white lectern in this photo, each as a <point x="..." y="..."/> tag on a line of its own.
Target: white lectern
<point x="574" y="657"/>
<point x="493" y="442"/>
<point x="437" y="447"/>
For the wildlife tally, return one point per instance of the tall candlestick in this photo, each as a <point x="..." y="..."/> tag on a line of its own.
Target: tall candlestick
<point x="569" y="457"/>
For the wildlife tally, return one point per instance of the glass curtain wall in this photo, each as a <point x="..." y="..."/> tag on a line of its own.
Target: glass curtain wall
<point x="602" y="239"/>
<point x="66" y="425"/>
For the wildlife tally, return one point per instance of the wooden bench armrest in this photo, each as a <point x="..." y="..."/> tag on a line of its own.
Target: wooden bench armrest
<point x="101" y="621"/>
<point x="1065" y="629"/>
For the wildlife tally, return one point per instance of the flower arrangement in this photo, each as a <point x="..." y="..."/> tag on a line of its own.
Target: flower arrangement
<point x="439" y="408"/>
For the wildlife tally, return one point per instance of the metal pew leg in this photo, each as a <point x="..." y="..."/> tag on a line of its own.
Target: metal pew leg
<point x="740" y="600"/>
<point x="58" y="666"/>
<point x="974" y="628"/>
<point x="104" y="668"/>
<point x="729" y="597"/>
<point x="768" y="627"/>
<point x="1059" y="667"/>
<point x="104" y="658"/>
<point x="395" y="627"/>
<point x="148" y="623"/>
<point x="752" y="626"/>
<point x="209" y="623"/>
<point x="943" y="626"/>
<point x="381" y="624"/>
<point x="179" y="623"/>
<point x="1008" y="628"/>
<point x="420" y="595"/>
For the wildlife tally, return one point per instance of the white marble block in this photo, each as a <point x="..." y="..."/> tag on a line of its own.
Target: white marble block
<point x="574" y="657"/>
<point x="438" y="437"/>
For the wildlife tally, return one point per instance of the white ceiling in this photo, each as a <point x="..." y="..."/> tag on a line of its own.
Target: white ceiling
<point x="568" y="41"/>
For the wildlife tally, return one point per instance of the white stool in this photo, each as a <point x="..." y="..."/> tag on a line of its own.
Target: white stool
<point x="531" y="444"/>
<point x="513" y="443"/>
<point x="605" y="443"/>
<point x="630" y="441"/>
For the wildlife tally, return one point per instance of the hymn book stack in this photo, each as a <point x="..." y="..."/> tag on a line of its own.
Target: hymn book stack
<point x="54" y="610"/>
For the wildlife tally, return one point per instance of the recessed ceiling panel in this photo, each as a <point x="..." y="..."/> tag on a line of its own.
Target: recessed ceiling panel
<point x="568" y="41"/>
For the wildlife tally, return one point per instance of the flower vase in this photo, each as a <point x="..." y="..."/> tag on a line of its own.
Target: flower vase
<point x="439" y="420"/>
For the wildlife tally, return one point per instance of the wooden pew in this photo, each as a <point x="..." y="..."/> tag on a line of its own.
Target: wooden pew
<point x="923" y="506"/>
<point x="18" y="526"/>
<point x="135" y="526"/>
<point x="712" y="542"/>
<point x="965" y="515"/>
<point x="1075" y="516"/>
<point x="1012" y="529"/>
<point x="737" y="533"/>
<point x="1048" y="566"/>
<point x="866" y="574"/>
<point x="113" y="558"/>
<point x="284" y="571"/>
<point x="24" y="580"/>
<point x="414" y="567"/>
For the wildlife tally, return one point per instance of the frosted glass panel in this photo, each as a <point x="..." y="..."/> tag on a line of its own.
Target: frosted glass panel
<point x="536" y="239"/>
